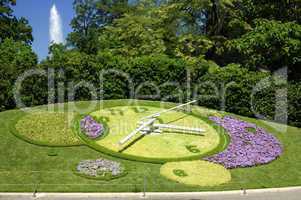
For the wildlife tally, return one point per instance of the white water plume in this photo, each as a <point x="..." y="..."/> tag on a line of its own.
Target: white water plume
<point x="56" y="28"/>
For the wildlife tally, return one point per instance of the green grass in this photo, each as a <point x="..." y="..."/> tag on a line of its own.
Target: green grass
<point x="197" y="173"/>
<point x="26" y="167"/>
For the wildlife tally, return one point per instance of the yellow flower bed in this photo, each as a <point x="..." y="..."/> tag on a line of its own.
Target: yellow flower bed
<point x="48" y="128"/>
<point x="196" y="173"/>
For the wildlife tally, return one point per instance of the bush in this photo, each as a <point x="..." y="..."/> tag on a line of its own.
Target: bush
<point x="241" y="99"/>
<point x="294" y="106"/>
<point x="170" y="74"/>
<point x="237" y="84"/>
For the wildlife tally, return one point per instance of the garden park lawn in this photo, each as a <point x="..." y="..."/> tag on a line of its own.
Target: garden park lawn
<point x="25" y="167"/>
<point x="197" y="173"/>
<point x="122" y="120"/>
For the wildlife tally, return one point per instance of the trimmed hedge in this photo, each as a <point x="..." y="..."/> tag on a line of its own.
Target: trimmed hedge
<point x="161" y="70"/>
<point x="242" y="99"/>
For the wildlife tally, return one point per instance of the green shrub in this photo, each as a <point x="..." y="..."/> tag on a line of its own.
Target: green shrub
<point x="237" y="83"/>
<point x="294" y="104"/>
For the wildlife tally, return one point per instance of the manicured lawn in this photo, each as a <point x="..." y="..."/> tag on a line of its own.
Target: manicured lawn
<point x="26" y="167"/>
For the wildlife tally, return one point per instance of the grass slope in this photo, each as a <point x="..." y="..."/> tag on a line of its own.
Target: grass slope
<point x="26" y="167"/>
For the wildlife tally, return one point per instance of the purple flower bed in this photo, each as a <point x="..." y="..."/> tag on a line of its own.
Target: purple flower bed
<point x="246" y="148"/>
<point x="91" y="128"/>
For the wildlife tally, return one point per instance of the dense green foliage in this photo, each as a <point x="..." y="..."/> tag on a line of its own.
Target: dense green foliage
<point x="11" y="26"/>
<point x="15" y="58"/>
<point x="91" y="15"/>
<point x="270" y="45"/>
<point x="179" y="46"/>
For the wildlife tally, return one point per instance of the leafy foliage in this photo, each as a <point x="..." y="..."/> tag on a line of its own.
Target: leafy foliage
<point x="91" y="15"/>
<point x="236" y="82"/>
<point x="271" y="45"/>
<point x="15" y="58"/>
<point x="162" y="42"/>
<point x="11" y="26"/>
<point x="134" y="36"/>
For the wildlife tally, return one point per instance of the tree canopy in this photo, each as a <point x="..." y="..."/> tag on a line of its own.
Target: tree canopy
<point x="166" y="43"/>
<point x="11" y="26"/>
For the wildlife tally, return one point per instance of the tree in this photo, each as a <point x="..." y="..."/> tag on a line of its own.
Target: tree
<point x="280" y="10"/>
<point x="91" y="16"/>
<point x="202" y="17"/>
<point x="134" y="35"/>
<point x="244" y="13"/>
<point x="271" y="45"/>
<point x="12" y="27"/>
<point x="15" y="58"/>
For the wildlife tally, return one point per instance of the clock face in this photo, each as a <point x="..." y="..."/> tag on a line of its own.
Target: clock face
<point x="120" y="121"/>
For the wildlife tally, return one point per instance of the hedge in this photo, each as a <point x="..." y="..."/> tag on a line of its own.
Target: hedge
<point x="161" y="70"/>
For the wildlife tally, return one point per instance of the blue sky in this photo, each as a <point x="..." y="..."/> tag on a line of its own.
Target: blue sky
<point x="37" y="13"/>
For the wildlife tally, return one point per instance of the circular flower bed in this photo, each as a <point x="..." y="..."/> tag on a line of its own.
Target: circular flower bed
<point x="47" y="128"/>
<point x="100" y="168"/>
<point x="196" y="173"/>
<point x="91" y="128"/>
<point x="247" y="148"/>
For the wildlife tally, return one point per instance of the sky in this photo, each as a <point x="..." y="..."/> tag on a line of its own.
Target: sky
<point x="37" y="13"/>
